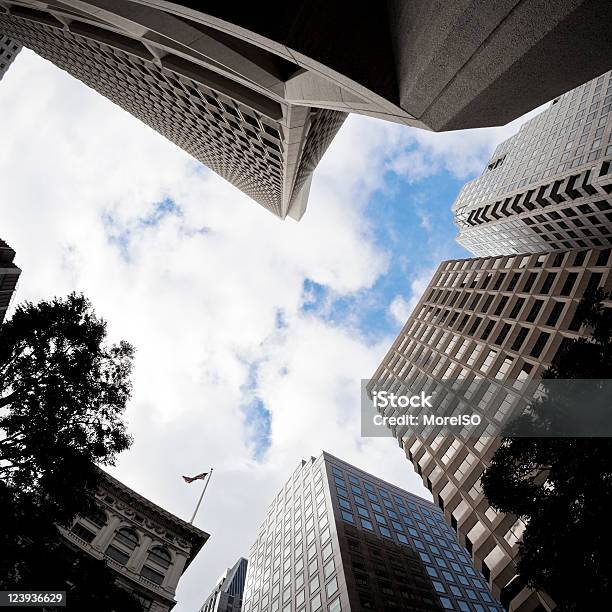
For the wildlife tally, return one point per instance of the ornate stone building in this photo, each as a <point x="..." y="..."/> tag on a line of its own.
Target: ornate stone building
<point x="147" y="547"/>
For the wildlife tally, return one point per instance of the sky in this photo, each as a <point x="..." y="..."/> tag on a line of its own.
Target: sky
<point x="252" y="333"/>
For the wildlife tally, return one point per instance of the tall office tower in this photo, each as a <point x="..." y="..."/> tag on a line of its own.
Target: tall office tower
<point x="549" y="186"/>
<point x="227" y="594"/>
<point x="492" y="324"/>
<point x="258" y="91"/>
<point x="337" y="539"/>
<point x="147" y="547"/>
<point x="9" y="275"/>
<point x="8" y="50"/>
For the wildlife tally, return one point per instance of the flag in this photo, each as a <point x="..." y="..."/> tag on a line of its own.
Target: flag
<point x="201" y="476"/>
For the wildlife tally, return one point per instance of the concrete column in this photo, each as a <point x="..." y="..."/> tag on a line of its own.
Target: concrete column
<point x="139" y="554"/>
<point x="104" y="537"/>
<point x="174" y="573"/>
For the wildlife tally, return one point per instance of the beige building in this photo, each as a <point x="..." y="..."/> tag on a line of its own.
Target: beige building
<point x="493" y="319"/>
<point x="147" y="547"/>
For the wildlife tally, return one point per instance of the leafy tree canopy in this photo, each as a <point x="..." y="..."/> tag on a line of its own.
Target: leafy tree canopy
<point x="63" y="391"/>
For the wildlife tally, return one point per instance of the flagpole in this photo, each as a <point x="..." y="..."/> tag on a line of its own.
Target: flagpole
<point x="201" y="496"/>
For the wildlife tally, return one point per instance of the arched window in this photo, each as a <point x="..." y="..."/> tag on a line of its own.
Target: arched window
<point x="124" y="542"/>
<point x="160" y="556"/>
<point x="127" y="537"/>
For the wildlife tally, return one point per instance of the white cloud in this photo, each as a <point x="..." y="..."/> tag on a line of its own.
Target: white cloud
<point x="401" y="308"/>
<point x="199" y="291"/>
<point x="462" y="153"/>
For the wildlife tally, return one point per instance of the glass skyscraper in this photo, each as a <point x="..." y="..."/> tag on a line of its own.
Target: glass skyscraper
<point x="547" y="187"/>
<point x="227" y="594"/>
<point x="336" y="538"/>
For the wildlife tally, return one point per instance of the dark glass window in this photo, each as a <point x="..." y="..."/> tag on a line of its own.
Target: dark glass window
<point x="503" y="333"/>
<point x="486" y="303"/>
<point x="555" y="313"/>
<point x="602" y="258"/>
<point x="535" y="310"/>
<point x="580" y="257"/>
<point x="569" y="283"/>
<point x="548" y="282"/>
<point x="558" y="262"/>
<point x="501" y="305"/>
<point x="488" y="329"/>
<point x="520" y="338"/>
<point x="529" y="282"/>
<point x="539" y="345"/>
<point x="516" y="308"/>
<point x="514" y="280"/>
<point x="499" y="280"/>
<point x="594" y="281"/>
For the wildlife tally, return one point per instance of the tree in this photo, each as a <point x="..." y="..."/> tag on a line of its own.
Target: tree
<point x="559" y="485"/>
<point x="63" y="391"/>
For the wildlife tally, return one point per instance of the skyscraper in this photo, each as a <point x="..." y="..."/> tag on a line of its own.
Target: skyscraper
<point x="8" y="50"/>
<point x="147" y="547"/>
<point x="549" y="186"/>
<point x="9" y="275"/>
<point x="337" y="539"/>
<point x="257" y="92"/>
<point x="492" y="324"/>
<point x="227" y="594"/>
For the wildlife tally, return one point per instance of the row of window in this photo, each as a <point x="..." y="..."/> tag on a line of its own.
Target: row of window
<point x="124" y="543"/>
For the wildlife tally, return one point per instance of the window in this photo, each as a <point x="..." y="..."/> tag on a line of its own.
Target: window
<point x="548" y="282"/>
<point x="520" y="338"/>
<point x="502" y="334"/>
<point x="535" y="310"/>
<point x="315" y="602"/>
<point x="152" y="575"/>
<point x="516" y="308"/>
<point x="82" y="532"/>
<point x="159" y="555"/>
<point x="335" y="606"/>
<point x="529" y="282"/>
<point x="569" y="283"/>
<point x="127" y="537"/>
<point x="331" y="587"/>
<point x="117" y="555"/>
<point x="555" y="313"/>
<point x="539" y="345"/>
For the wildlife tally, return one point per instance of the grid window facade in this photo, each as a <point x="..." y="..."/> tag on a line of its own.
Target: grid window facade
<point x="8" y="51"/>
<point x="269" y="155"/>
<point x="337" y="538"/>
<point x="547" y="187"/>
<point x="523" y="326"/>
